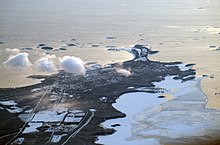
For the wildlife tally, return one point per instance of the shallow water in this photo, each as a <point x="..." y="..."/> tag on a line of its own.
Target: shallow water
<point x="152" y="120"/>
<point x="130" y="104"/>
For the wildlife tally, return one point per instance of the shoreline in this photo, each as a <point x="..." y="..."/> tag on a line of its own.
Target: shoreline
<point x="184" y="130"/>
<point x="133" y="137"/>
<point x="97" y="91"/>
<point x="172" y="32"/>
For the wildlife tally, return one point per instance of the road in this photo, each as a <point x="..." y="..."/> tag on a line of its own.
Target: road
<point x="85" y="121"/>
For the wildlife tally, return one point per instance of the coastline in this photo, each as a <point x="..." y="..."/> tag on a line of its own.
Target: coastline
<point x="94" y="91"/>
<point x="182" y="31"/>
<point x="166" y="123"/>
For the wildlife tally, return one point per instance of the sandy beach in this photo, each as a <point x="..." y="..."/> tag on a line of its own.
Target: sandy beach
<point x="184" y="30"/>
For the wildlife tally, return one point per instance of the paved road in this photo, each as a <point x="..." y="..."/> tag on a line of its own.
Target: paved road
<point x="85" y="121"/>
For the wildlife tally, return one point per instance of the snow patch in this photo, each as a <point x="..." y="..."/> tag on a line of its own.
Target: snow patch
<point x="14" y="109"/>
<point x="183" y="67"/>
<point x="19" y="140"/>
<point x="32" y="127"/>
<point x="49" y="116"/>
<point x="56" y="138"/>
<point x="72" y="118"/>
<point x="124" y="72"/>
<point x="8" y="103"/>
<point x="36" y="89"/>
